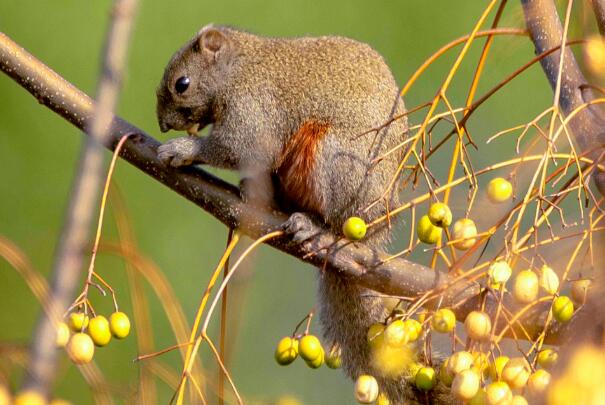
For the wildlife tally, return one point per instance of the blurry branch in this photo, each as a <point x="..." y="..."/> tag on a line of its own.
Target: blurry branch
<point x="588" y="126"/>
<point x="356" y="261"/>
<point x="599" y="11"/>
<point x="74" y="235"/>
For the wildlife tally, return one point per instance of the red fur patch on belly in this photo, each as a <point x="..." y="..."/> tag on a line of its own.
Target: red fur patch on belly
<point x="295" y="166"/>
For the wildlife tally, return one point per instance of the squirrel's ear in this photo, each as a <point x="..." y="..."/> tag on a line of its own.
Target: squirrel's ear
<point x="212" y="40"/>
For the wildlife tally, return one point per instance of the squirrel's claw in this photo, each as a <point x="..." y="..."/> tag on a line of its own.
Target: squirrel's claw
<point x="301" y="227"/>
<point x="179" y="152"/>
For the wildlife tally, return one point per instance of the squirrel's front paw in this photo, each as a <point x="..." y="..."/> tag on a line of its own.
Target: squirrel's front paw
<point x="301" y="227"/>
<point x="179" y="152"/>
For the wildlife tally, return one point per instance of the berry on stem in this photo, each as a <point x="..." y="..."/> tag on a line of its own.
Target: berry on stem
<point x="440" y="215"/>
<point x="354" y="228"/>
<point x="99" y="330"/>
<point x="444" y="320"/>
<point x="427" y="232"/>
<point x="464" y="233"/>
<point x="80" y="348"/>
<point x="286" y="351"/>
<point x="499" y="190"/>
<point x="119" y="324"/>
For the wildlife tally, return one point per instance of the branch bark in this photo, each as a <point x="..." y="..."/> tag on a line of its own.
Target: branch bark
<point x="353" y="260"/>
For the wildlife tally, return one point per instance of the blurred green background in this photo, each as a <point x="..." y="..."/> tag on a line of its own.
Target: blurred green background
<point x="38" y="152"/>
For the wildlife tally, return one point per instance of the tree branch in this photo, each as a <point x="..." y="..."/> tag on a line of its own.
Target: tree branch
<point x="356" y="261"/>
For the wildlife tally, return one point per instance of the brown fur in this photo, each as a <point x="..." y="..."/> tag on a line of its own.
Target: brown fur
<point x="296" y="163"/>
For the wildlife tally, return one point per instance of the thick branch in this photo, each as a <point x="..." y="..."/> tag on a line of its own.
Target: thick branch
<point x="356" y="261"/>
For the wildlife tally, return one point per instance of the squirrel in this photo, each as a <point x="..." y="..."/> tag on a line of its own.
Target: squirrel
<point x="294" y="117"/>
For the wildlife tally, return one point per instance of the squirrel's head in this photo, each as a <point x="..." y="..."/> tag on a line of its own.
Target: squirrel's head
<point x="192" y="79"/>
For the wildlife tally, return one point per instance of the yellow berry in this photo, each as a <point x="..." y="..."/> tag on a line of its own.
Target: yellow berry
<point x="495" y="369"/>
<point x="354" y="228"/>
<point x="309" y="348"/>
<point x="516" y="372"/>
<point x="286" y="351"/>
<point x="538" y="381"/>
<point x="427" y="232"/>
<point x="98" y="329"/>
<point x="395" y="334"/>
<point x="5" y="395"/>
<point x="444" y="374"/>
<point x="59" y="401"/>
<point x="375" y="335"/>
<point x="525" y="289"/>
<point x="444" y="320"/>
<point x="334" y="359"/>
<point x="518" y="400"/>
<point x="579" y="288"/>
<point x="480" y="398"/>
<point x="425" y="378"/>
<point x="562" y="308"/>
<point x="80" y="348"/>
<point x="366" y="389"/>
<point x="78" y="321"/>
<point x="499" y="190"/>
<point x="499" y="272"/>
<point x="382" y="399"/>
<point x="498" y="393"/>
<point x="440" y="215"/>
<point x="478" y="325"/>
<point x="547" y="358"/>
<point x="29" y="397"/>
<point x="318" y="361"/>
<point x="288" y="400"/>
<point x="464" y="233"/>
<point x="480" y="362"/>
<point x="119" y="324"/>
<point x="413" y="329"/>
<point x="549" y="280"/>
<point x="459" y="362"/>
<point x="594" y="55"/>
<point x="62" y="334"/>
<point x="466" y="384"/>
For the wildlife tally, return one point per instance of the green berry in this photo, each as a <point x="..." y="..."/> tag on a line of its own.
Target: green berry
<point x="286" y="351"/>
<point x="310" y="348"/>
<point x="440" y="215"/>
<point x="444" y="320"/>
<point x="354" y="228"/>
<point x="562" y="308"/>
<point x="427" y="232"/>
<point x="425" y="378"/>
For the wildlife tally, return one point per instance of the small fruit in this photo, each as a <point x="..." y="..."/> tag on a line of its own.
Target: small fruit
<point x="382" y="400"/>
<point x="78" y="321"/>
<point x="547" y="358"/>
<point x="464" y="233"/>
<point x="466" y="384"/>
<point x="549" y="280"/>
<point x="538" y="381"/>
<point x="413" y="329"/>
<point x="59" y="401"/>
<point x="366" y="389"/>
<point x="427" y="232"/>
<point x="579" y="288"/>
<point x="480" y="363"/>
<point x="444" y="320"/>
<point x="62" y="334"/>
<point x="98" y="329"/>
<point x="499" y="272"/>
<point x="119" y="324"/>
<point x="334" y="359"/>
<point x="80" y="348"/>
<point x="440" y="215"/>
<point x="318" y="361"/>
<point x="425" y="378"/>
<point x="594" y="55"/>
<point x="478" y="325"/>
<point x="445" y="376"/>
<point x="29" y="397"/>
<point x="562" y="308"/>
<point x="395" y="334"/>
<point x="354" y="228"/>
<point x="5" y="395"/>
<point x="286" y="351"/>
<point x="499" y="190"/>
<point x="309" y="348"/>
<point x="498" y="393"/>
<point x="516" y="372"/>
<point x="518" y="400"/>
<point x="375" y="335"/>
<point x="479" y="399"/>
<point x="526" y="287"/>
<point x="495" y="369"/>
<point x="459" y="362"/>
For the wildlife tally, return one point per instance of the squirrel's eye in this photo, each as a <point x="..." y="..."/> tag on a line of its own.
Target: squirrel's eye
<point x="182" y="83"/>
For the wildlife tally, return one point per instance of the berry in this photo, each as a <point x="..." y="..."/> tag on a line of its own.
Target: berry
<point x="382" y="400"/>
<point x="62" y="334"/>
<point x="318" y="361"/>
<point x="594" y="55"/>
<point x="395" y="334"/>
<point x="354" y="228"/>
<point x="464" y="233"/>
<point x="495" y="369"/>
<point x="309" y="348"/>
<point x="518" y="400"/>
<point x="413" y="329"/>
<point x="59" y="401"/>
<point x="445" y="376"/>
<point x="5" y="395"/>
<point x="516" y="372"/>
<point x="366" y="389"/>
<point x="526" y="287"/>
<point x="478" y="325"/>
<point x="479" y="399"/>
<point x="119" y="324"/>
<point x="29" y="397"/>
<point x="427" y="232"/>
<point x="498" y="393"/>
<point x="286" y="351"/>
<point x="499" y="190"/>
<point x="334" y="360"/>
<point x="459" y="362"/>
<point x="547" y="358"/>
<point x="78" y="321"/>
<point x="444" y="320"/>
<point x="549" y="281"/>
<point x="440" y="215"/>
<point x="425" y="379"/>
<point x="579" y="288"/>
<point x="538" y="381"/>
<point x="80" y="348"/>
<point x="98" y="329"/>
<point x="466" y="384"/>
<point x="562" y="308"/>
<point x="499" y="272"/>
<point x="375" y="335"/>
